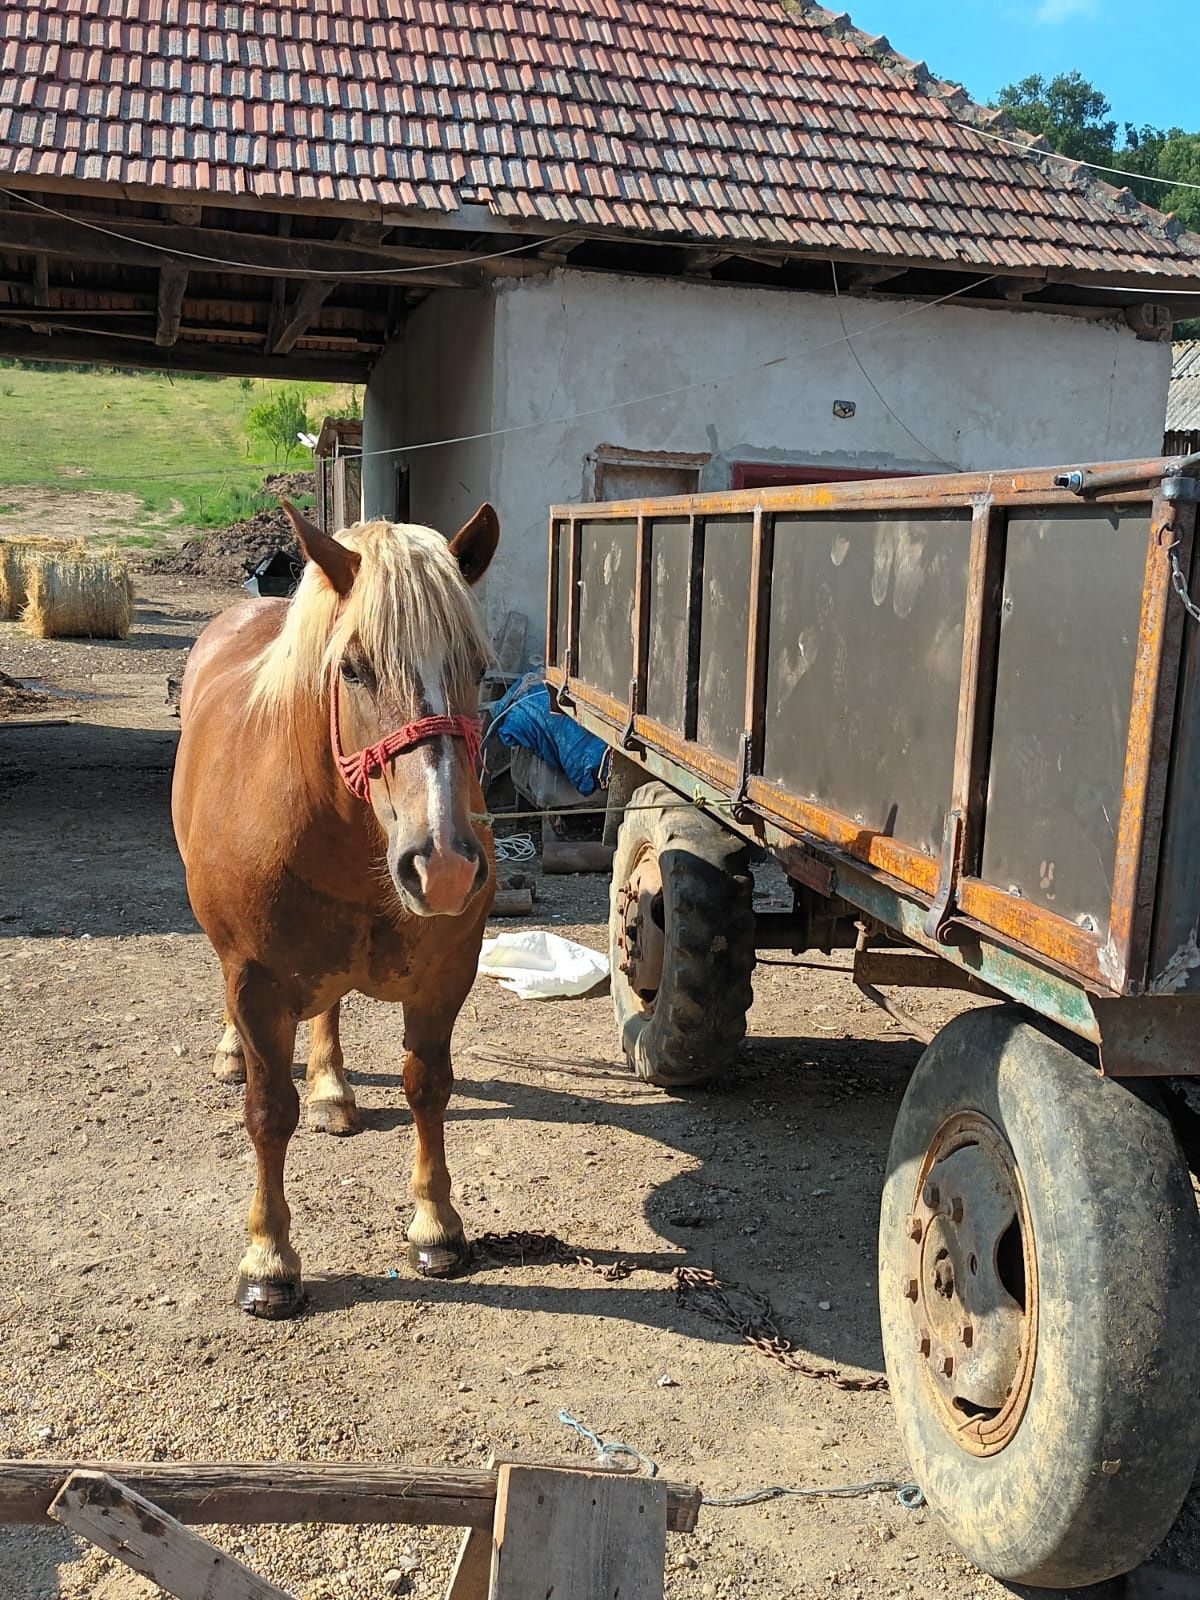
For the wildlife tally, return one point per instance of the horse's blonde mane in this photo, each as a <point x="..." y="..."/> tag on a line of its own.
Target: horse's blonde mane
<point x="409" y="605"/>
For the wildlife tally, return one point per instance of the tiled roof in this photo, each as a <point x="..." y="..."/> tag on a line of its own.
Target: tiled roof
<point x="764" y="122"/>
<point x="1183" y="394"/>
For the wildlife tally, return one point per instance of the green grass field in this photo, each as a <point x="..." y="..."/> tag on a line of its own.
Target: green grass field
<point x="178" y="444"/>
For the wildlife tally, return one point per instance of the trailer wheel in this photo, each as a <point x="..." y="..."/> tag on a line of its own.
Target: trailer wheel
<point x="681" y="939"/>
<point x="1039" y="1288"/>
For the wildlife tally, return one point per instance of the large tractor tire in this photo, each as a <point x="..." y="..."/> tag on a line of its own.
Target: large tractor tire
<point x="681" y="939"/>
<point x="1039" y="1288"/>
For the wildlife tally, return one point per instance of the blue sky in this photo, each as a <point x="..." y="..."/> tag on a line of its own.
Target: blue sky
<point x="1136" y="55"/>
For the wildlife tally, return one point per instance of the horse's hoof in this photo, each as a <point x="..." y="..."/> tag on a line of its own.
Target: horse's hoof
<point x="273" y="1298"/>
<point x="331" y="1116"/>
<point x="228" y="1068"/>
<point x="446" y="1260"/>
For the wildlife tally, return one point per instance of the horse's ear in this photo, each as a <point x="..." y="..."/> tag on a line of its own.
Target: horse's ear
<point x="338" y="563"/>
<point x="474" y="545"/>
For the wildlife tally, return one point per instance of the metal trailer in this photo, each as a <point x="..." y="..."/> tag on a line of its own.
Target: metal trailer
<point x="963" y="714"/>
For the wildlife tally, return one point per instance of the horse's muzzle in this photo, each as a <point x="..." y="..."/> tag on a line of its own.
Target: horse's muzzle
<point x="440" y="883"/>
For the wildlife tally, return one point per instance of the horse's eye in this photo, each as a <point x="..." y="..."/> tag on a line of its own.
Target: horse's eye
<point x="350" y="673"/>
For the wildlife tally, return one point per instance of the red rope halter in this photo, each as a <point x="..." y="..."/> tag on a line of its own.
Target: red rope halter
<point x="358" y="770"/>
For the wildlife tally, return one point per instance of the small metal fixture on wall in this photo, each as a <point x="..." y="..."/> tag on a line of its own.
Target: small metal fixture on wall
<point x="844" y="408"/>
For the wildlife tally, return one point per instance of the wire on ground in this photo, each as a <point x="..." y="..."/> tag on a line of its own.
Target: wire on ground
<point x="616" y="1453"/>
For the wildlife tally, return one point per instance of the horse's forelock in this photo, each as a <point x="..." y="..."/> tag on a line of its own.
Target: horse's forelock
<point x="409" y="607"/>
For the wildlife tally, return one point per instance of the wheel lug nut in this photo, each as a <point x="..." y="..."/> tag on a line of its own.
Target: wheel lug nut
<point x="915" y="1228"/>
<point x="948" y="1365"/>
<point x="956" y="1209"/>
<point x="911" y="1289"/>
<point x="932" y="1196"/>
<point x="968" y="1335"/>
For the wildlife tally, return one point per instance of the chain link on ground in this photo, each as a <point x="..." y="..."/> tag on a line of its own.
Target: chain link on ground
<point x="733" y="1306"/>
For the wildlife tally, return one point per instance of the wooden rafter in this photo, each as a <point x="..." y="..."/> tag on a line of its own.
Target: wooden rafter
<point x="84" y="345"/>
<point x="251" y="254"/>
<point x="282" y="336"/>
<point x="871" y="277"/>
<point x="172" y="283"/>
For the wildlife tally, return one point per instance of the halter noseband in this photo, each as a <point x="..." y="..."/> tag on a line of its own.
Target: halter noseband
<point x="358" y="770"/>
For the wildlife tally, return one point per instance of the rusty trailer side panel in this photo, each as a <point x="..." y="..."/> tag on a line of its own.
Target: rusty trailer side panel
<point x="973" y="698"/>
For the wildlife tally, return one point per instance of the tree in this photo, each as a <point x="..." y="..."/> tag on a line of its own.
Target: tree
<point x="1179" y="160"/>
<point x="1073" y="116"/>
<point x="1070" y="113"/>
<point x="278" y="421"/>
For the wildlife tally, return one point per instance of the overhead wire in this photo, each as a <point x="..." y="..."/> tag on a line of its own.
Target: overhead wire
<point x="682" y="388"/>
<point x="377" y="273"/>
<point x="875" y="389"/>
<point x="592" y="411"/>
<point x="1056" y="155"/>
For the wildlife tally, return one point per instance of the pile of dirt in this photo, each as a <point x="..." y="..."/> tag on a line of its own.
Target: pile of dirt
<point x="229" y="555"/>
<point x="18" y="700"/>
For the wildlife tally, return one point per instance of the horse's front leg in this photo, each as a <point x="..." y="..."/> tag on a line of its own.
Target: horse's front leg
<point x="330" y="1106"/>
<point x="269" y="1274"/>
<point x="437" y="1248"/>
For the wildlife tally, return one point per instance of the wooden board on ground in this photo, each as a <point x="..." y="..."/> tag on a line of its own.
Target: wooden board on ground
<point x="472" y="1573"/>
<point x="578" y="1535"/>
<point x="110" y="1515"/>
<point x="292" y="1491"/>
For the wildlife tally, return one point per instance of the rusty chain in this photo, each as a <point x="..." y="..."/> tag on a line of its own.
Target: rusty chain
<point x="1179" y="584"/>
<point x="733" y="1306"/>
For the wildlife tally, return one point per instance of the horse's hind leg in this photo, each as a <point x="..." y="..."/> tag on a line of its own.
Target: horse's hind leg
<point x="229" y="1063"/>
<point x="330" y="1106"/>
<point x="436" y="1245"/>
<point x="269" y="1274"/>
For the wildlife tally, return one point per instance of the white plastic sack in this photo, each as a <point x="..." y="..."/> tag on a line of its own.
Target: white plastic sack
<point x="536" y="965"/>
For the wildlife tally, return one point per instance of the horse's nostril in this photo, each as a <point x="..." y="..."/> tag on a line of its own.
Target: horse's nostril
<point x="406" y="871"/>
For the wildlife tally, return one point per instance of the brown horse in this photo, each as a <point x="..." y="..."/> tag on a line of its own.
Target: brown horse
<point x="315" y="872"/>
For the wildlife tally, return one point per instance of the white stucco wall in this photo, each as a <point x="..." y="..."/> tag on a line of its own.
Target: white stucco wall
<point x="977" y="388"/>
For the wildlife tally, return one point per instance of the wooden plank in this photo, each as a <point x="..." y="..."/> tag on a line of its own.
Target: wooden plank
<point x="472" y="1573"/>
<point x="172" y="282"/>
<point x="512" y="903"/>
<point x="256" y="254"/>
<point x="329" y="366"/>
<point x="292" y="1491"/>
<point x="578" y="1535"/>
<point x="146" y="1539"/>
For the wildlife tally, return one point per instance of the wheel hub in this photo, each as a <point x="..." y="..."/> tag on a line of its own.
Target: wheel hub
<point x="972" y="1282"/>
<point x="641" y="937"/>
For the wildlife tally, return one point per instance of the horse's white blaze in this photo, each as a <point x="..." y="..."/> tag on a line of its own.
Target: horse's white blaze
<point x="439" y="768"/>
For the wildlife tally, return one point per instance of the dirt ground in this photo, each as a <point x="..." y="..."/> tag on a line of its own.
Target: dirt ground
<point x="97" y="516"/>
<point x="127" y="1175"/>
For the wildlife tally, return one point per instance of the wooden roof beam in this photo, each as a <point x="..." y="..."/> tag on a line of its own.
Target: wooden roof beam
<point x="702" y="263"/>
<point x="312" y="296"/>
<point x="252" y="254"/>
<point x="858" y="278"/>
<point x="76" y="345"/>
<point x="172" y="283"/>
<point x="1018" y="288"/>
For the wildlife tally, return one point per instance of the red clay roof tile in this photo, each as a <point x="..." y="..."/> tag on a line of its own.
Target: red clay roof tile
<point x="737" y="121"/>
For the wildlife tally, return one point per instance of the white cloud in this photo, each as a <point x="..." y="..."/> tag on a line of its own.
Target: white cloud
<point x="1050" y="12"/>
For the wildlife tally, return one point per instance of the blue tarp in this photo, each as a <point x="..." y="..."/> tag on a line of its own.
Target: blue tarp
<point x="523" y="718"/>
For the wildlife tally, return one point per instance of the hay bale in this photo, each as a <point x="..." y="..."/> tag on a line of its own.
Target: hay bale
<point x="74" y="597"/>
<point x="17" y="551"/>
